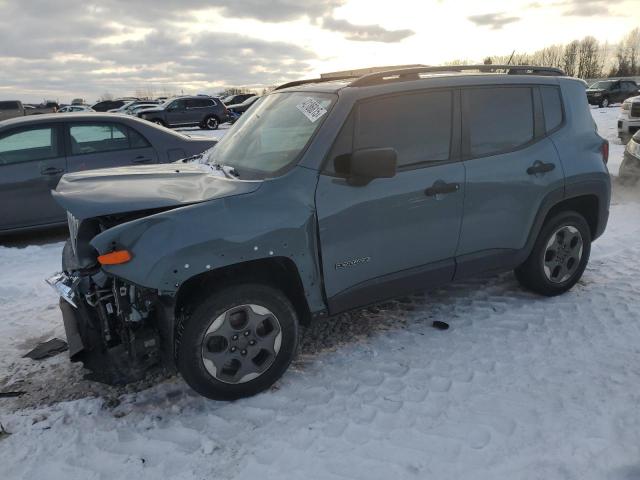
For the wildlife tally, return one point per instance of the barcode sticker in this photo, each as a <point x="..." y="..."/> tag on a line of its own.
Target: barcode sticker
<point x="311" y="109"/>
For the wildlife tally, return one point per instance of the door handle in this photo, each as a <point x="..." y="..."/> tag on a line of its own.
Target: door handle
<point x="141" y="159"/>
<point x="540" y="167"/>
<point x="51" y="171"/>
<point x="441" y="188"/>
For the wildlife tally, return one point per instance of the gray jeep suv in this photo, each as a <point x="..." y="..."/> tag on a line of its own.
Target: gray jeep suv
<point x="198" y="111"/>
<point x="314" y="204"/>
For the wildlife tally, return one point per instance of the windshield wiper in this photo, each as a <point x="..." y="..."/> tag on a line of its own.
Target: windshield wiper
<point x="229" y="172"/>
<point x="191" y="158"/>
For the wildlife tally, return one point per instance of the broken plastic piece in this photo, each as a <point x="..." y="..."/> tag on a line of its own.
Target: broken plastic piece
<point x="47" y="349"/>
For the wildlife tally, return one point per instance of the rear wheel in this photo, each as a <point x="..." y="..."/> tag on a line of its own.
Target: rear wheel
<point x="238" y="342"/>
<point x="211" y="123"/>
<point x="559" y="256"/>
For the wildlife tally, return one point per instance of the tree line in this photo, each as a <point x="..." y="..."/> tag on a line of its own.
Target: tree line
<point x="586" y="58"/>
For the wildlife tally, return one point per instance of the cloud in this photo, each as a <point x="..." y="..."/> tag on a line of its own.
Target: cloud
<point x="83" y="49"/>
<point x="495" y="21"/>
<point x="365" y="33"/>
<point x="587" y="8"/>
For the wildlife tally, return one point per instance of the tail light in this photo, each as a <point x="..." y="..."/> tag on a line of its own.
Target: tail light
<point x="605" y="151"/>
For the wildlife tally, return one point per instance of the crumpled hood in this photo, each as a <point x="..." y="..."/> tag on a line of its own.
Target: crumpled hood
<point x="133" y="188"/>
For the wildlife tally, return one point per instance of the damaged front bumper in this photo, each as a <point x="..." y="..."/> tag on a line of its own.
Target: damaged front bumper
<point x="117" y="330"/>
<point x="64" y="286"/>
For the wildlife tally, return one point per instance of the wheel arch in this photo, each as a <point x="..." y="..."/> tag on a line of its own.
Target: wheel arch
<point x="279" y="272"/>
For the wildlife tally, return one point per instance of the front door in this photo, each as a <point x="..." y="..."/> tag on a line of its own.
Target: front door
<point x="31" y="163"/>
<point x="106" y="144"/>
<point x="177" y="112"/>
<point x="511" y="166"/>
<point x="392" y="235"/>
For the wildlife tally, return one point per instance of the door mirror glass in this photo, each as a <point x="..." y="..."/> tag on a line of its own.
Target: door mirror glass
<point x="369" y="163"/>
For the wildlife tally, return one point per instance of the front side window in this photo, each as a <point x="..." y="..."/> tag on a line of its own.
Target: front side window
<point x="417" y="126"/>
<point x="97" y="138"/>
<point x="28" y="145"/>
<point x="498" y="119"/>
<point x="271" y="136"/>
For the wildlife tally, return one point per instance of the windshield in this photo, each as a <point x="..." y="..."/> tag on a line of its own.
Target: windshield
<point x="604" y="85"/>
<point x="270" y="137"/>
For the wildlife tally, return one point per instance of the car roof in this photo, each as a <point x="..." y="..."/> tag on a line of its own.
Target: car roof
<point x="57" y="118"/>
<point x="439" y="79"/>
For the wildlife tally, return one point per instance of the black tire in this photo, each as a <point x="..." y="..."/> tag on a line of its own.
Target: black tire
<point x="191" y="335"/>
<point x="629" y="172"/>
<point x="211" y="123"/>
<point x="604" y="103"/>
<point x="531" y="274"/>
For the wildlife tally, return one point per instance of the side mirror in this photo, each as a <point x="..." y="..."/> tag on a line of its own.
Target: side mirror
<point x="368" y="163"/>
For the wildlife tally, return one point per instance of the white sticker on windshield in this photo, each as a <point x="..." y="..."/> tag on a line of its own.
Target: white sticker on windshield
<point x="311" y="109"/>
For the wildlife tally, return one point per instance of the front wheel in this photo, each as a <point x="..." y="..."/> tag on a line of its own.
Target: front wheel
<point x="238" y="342"/>
<point x="559" y="256"/>
<point x="604" y="103"/>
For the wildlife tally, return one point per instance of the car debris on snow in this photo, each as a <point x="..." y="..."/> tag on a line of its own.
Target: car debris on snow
<point x="47" y="349"/>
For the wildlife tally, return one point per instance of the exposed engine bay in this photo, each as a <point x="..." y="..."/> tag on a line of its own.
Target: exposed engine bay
<point x="115" y="328"/>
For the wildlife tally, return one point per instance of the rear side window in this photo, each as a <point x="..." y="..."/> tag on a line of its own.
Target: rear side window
<point x="418" y="126"/>
<point x="96" y="138"/>
<point x="498" y="119"/>
<point x="26" y="145"/>
<point x="552" y="106"/>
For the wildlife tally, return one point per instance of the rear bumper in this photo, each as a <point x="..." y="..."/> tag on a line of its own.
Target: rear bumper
<point x="628" y="126"/>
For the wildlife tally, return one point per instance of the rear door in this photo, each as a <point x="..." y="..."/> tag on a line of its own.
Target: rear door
<point x="393" y="234"/>
<point x="511" y="166"/>
<point x="106" y="144"/>
<point x="31" y="163"/>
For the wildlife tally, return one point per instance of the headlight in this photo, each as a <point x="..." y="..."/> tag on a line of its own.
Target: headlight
<point x="626" y="106"/>
<point x="633" y="148"/>
<point x="597" y="94"/>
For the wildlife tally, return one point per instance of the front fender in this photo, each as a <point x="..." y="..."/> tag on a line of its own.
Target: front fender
<point x="169" y="248"/>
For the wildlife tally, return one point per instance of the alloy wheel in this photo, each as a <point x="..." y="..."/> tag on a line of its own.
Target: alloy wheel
<point x="241" y="343"/>
<point x="563" y="254"/>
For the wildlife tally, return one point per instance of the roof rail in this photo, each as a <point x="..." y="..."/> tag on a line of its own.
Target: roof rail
<point x="313" y="80"/>
<point x="405" y="74"/>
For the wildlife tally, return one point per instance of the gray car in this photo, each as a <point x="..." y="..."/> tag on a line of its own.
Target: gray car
<point x="315" y="203"/>
<point x="36" y="151"/>
<point x="196" y="111"/>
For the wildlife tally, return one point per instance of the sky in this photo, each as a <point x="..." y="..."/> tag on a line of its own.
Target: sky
<point x="65" y="49"/>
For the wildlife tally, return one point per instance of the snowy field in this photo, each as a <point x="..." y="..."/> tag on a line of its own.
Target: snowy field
<point x="520" y="386"/>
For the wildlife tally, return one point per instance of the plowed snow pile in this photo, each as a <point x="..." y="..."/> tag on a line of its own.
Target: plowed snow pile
<point x="520" y="386"/>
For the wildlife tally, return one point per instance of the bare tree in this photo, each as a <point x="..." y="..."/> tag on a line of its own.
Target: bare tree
<point x="589" y="64"/>
<point x="569" y="58"/>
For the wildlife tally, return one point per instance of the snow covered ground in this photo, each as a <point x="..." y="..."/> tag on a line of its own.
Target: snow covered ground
<point x="520" y="387"/>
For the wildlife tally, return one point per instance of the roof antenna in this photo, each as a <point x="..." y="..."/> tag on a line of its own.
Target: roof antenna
<point x="511" y="57"/>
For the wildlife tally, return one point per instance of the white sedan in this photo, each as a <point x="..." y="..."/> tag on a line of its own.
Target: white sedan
<point x="76" y="108"/>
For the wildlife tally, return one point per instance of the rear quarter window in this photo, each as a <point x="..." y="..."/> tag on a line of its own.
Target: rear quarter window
<point x="552" y="107"/>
